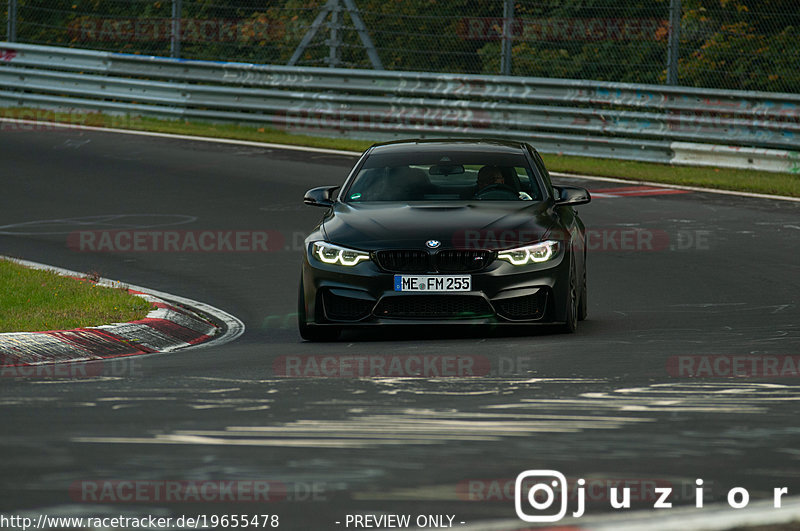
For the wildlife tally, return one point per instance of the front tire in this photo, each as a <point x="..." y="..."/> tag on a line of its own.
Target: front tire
<point x="311" y="332"/>
<point x="583" y="305"/>
<point x="571" y="317"/>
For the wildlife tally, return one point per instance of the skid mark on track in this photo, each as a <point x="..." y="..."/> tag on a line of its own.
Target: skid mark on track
<point x="374" y="422"/>
<point x="231" y="399"/>
<point x="715" y="307"/>
<point x="60" y="226"/>
<point x="736" y="397"/>
<point x="72" y="144"/>
<point x="404" y="427"/>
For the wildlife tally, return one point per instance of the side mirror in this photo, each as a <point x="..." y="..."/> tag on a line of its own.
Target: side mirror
<point x="320" y="197"/>
<point x="571" y="195"/>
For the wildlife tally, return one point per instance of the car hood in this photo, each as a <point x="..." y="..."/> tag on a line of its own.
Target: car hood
<point x="456" y="225"/>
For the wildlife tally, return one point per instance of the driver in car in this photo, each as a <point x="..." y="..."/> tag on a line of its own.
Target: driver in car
<point x="490" y="176"/>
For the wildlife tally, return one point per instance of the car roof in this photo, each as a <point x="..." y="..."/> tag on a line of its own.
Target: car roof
<point x="447" y="144"/>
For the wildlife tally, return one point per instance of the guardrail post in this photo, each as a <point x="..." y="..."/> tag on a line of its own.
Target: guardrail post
<point x="674" y="41"/>
<point x="11" y="29"/>
<point x="335" y="40"/>
<point x="335" y="11"/>
<point x="309" y="36"/>
<point x="175" y="41"/>
<point x="508" y="23"/>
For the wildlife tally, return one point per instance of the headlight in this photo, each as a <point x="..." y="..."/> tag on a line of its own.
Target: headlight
<point x="333" y="254"/>
<point x="530" y="254"/>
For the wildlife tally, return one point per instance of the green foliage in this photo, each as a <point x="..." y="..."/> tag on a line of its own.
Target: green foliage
<point x="741" y="44"/>
<point x="736" y="44"/>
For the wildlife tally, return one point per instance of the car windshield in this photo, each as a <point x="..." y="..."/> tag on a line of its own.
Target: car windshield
<point x="444" y="177"/>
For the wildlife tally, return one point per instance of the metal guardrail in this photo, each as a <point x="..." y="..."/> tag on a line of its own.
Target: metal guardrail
<point x="614" y="120"/>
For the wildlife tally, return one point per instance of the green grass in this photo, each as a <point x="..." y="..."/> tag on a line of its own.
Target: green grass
<point x="708" y="177"/>
<point x="761" y="182"/>
<point x="36" y="301"/>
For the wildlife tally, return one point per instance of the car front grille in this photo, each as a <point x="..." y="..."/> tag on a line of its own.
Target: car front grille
<point x="404" y="261"/>
<point x="458" y="261"/>
<point x="527" y="308"/>
<point x="448" y="261"/>
<point x="433" y="307"/>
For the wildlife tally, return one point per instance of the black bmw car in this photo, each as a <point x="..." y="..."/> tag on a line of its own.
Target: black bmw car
<point x="444" y="232"/>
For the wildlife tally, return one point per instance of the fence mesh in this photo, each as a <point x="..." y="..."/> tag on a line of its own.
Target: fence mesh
<point x="4" y="20"/>
<point x="734" y="44"/>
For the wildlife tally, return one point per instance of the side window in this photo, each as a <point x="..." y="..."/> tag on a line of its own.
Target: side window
<point x="528" y="182"/>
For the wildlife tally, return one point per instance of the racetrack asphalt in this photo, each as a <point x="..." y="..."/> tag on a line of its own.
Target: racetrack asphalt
<point x="606" y="404"/>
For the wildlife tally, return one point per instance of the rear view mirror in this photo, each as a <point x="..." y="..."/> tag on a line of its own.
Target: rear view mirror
<point x="571" y="195"/>
<point x="446" y="169"/>
<point x="321" y="196"/>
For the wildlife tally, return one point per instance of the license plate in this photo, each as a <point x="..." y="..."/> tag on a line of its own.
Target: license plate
<point x="432" y="283"/>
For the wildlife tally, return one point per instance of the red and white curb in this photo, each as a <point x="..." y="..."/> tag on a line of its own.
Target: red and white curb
<point x="171" y="325"/>
<point x="674" y="187"/>
<point x="634" y="191"/>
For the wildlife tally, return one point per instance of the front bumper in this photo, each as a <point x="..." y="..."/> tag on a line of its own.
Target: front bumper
<point x="501" y="294"/>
